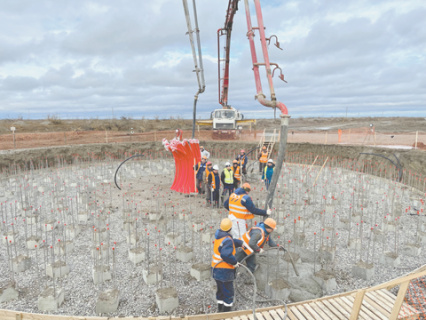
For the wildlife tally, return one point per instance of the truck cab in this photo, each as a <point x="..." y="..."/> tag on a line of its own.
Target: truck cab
<point x="225" y="121"/>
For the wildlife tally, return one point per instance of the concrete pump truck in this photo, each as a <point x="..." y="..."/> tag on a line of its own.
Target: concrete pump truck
<point x="227" y="119"/>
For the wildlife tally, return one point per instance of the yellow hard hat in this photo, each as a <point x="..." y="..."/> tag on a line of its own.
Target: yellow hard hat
<point x="271" y="223"/>
<point x="226" y="225"/>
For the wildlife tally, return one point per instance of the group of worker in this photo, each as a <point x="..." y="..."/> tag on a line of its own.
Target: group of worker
<point x="209" y="182"/>
<point x="234" y="243"/>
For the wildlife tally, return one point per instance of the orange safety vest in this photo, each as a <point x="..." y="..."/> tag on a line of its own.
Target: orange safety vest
<point x="213" y="181"/>
<point x="237" y="209"/>
<point x="217" y="261"/>
<point x="237" y="175"/>
<point x="207" y="174"/>
<point x="246" y="239"/>
<point x="263" y="157"/>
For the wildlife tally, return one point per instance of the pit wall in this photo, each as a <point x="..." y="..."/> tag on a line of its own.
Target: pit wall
<point x="412" y="161"/>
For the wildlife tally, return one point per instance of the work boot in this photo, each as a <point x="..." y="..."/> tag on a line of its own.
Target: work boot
<point x="220" y="307"/>
<point x="226" y="309"/>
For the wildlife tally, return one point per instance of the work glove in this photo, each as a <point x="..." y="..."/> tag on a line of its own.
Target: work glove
<point x="237" y="265"/>
<point x="268" y="212"/>
<point x="212" y="189"/>
<point x="261" y="251"/>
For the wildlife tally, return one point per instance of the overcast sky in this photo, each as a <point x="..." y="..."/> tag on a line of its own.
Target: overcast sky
<point x="85" y="59"/>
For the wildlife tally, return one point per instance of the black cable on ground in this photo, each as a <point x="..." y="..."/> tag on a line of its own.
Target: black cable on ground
<point x="115" y="175"/>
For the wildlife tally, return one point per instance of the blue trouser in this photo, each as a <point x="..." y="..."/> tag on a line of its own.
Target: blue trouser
<point x="228" y="188"/>
<point x="250" y="261"/>
<point x="267" y="183"/>
<point x="225" y="293"/>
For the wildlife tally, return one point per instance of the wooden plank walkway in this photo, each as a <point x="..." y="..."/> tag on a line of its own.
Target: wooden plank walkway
<point x="376" y="305"/>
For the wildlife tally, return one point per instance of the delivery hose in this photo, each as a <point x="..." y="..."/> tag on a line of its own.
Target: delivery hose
<point x="115" y="175"/>
<point x="397" y="164"/>
<point x="254" y="290"/>
<point x="264" y="300"/>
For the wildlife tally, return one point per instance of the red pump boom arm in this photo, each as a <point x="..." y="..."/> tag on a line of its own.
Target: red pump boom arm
<point x="224" y="79"/>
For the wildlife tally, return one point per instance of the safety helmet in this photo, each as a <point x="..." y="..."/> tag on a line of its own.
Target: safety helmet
<point x="226" y="224"/>
<point x="242" y="150"/>
<point x="204" y="157"/>
<point x="270" y="223"/>
<point x="235" y="161"/>
<point x="246" y="187"/>
<point x="209" y="163"/>
<point x="215" y="167"/>
<point x="264" y="147"/>
<point x="227" y="164"/>
<point x="270" y="161"/>
<point x="201" y="147"/>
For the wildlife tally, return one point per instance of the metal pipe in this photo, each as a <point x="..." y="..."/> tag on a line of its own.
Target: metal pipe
<point x="279" y="162"/>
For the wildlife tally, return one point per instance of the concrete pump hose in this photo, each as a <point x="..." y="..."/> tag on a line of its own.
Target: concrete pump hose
<point x="255" y="291"/>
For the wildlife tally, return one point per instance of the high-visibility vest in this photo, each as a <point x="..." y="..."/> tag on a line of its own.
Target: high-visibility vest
<point x="246" y="239"/>
<point x="217" y="261"/>
<point x="237" y="175"/>
<point x="213" y="181"/>
<point x="229" y="176"/>
<point x="207" y="174"/>
<point x="237" y="209"/>
<point x="263" y="157"/>
<point x="242" y="159"/>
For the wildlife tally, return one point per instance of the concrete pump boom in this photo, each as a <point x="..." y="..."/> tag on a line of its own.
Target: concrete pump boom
<point x="198" y="58"/>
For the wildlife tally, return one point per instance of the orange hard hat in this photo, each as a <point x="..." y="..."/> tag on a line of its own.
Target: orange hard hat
<point x="270" y="223"/>
<point x="226" y="224"/>
<point x="234" y="161"/>
<point x="204" y="157"/>
<point x="201" y="147"/>
<point x="246" y="187"/>
<point x="264" y="147"/>
<point x="209" y="163"/>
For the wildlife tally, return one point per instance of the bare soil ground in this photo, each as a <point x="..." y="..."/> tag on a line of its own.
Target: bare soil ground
<point x="385" y="124"/>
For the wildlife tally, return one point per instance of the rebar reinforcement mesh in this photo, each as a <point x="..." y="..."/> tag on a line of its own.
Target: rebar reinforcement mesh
<point x="416" y="296"/>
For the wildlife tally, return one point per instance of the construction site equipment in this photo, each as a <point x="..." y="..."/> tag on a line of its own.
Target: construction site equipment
<point x="228" y="121"/>
<point x="186" y="154"/>
<point x="197" y="56"/>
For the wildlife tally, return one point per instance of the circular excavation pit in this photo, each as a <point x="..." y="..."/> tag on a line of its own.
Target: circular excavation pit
<point x="72" y="243"/>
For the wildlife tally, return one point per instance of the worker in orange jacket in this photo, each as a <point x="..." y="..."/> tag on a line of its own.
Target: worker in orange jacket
<point x="224" y="264"/>
<point x="237" y="174"/>
<point x="263" y="158"/>
<point x="254" y="240"/>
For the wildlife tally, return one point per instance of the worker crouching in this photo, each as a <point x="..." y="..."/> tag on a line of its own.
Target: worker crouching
<point x="253" y="242"/>
<point x="223" y="265"/>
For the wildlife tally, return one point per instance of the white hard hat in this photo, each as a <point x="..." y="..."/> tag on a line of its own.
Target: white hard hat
<point x="271" y="161"/>
<point x="227" y="164"/>
<point x="215" y="167"/>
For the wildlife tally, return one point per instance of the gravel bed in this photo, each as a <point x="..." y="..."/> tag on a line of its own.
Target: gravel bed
<point x="64" y="192"/>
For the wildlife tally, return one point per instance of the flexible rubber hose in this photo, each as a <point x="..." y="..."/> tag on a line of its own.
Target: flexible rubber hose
<point x="254" y="290"/>
<point x="115" y="175"/>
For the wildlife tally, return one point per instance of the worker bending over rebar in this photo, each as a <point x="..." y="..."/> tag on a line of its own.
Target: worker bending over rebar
<point x="254" y="240"/>
<point x="241" y="208"/>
